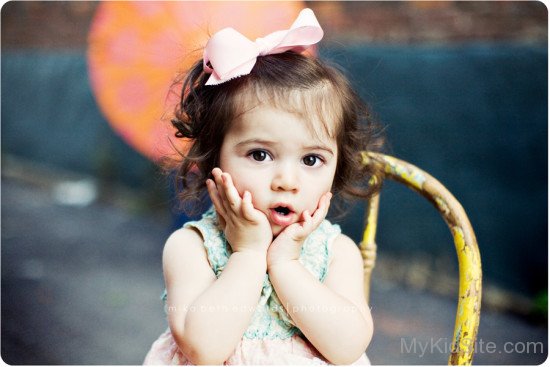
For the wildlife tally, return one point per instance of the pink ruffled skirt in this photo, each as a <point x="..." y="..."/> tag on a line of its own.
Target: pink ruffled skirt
<point x="292" y="351"/>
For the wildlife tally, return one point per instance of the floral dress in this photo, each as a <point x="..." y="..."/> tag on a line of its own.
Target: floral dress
<point x="272" y="337"/>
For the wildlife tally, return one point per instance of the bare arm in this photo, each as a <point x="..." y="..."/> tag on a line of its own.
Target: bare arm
<point x="208" y="316"/>
<point x="333" y="315"/>
<point x="215" y="313"/>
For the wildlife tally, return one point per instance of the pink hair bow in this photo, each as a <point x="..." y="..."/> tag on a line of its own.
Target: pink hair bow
<point x="229" y="54"/>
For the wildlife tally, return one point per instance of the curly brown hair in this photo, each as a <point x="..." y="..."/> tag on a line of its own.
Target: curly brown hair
<point x="205" y="114"/>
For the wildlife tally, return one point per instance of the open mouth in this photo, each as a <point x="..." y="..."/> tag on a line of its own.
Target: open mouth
<point x="282" y="210"/>
<point x="282" y="215"/>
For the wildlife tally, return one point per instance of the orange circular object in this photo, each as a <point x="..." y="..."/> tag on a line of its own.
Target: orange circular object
<point x="136" y="49"/>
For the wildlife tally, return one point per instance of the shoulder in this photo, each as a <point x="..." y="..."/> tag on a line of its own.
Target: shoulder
<point x="345" y="250"/>
<point x="185" y="264"/>
<point x="183" y="245"/>
<point x="183" y="239"/>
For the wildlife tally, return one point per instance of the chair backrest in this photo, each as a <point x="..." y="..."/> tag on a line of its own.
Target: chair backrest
<point x="469" y="263"/>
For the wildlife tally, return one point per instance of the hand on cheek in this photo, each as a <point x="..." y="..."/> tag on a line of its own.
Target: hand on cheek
<point x="245" y="227"/>
<point x="288" y="244"/>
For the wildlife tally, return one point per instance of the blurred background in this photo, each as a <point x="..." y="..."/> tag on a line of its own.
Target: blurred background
<point x="461" y="89"/>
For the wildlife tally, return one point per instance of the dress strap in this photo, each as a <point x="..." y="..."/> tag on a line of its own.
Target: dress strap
<point x="317" y="249"/>
<point x="215" y="243"/>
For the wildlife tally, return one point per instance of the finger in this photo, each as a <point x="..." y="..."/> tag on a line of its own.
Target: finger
<point x="326" y="201"/>
<point x="217" y="175"/>
<point x="222" y="222"/>
<point x="231" y="193"/>
<point x="305" y="224"/>
<point x="216" y="171"/>
<point x="214" y="196"/>
<point x="218" y="179"/>
<point x="322" y="210"/>
<point x="249" y="211"/>
<point x="247" y="207"/>
<point x="306" y="217"/>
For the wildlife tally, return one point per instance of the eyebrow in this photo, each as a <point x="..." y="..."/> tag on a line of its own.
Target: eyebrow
<point x="320" y="147"/>
<point x="255" y="141"/>
<point x="272" y="143"/>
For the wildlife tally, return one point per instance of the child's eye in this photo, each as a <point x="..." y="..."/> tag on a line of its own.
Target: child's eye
<point x="312" y="160"/>
<point x="259" y="155"/>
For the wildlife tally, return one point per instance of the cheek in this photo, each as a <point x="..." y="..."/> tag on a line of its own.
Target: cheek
<point x="319" y="187"/>
<point x="243" y="184"/>
<point x="325" y="181"/>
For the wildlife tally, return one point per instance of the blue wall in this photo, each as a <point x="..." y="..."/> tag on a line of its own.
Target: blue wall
<point x="474" y="116"/>
<point x="49" y="115"/>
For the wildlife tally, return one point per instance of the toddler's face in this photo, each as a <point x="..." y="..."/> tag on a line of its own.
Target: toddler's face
<point x="284" y="164"/>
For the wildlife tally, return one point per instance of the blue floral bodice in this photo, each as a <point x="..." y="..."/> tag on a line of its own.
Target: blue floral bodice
<point x="270" y="319"/>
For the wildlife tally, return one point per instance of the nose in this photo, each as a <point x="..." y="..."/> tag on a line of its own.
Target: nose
<point x="285" y="178"/>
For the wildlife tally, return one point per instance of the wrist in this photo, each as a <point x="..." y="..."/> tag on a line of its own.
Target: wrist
<point x="248" y="244"/>
<point x="284" y="249"/>
<point x="282" y="265"/>
<point x="252" y="257"/>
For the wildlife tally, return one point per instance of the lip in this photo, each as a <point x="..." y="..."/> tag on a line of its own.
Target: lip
<point x="280" y="219"/>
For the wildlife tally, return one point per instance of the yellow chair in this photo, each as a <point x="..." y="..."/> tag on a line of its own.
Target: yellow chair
<point x="469" y="294"/>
